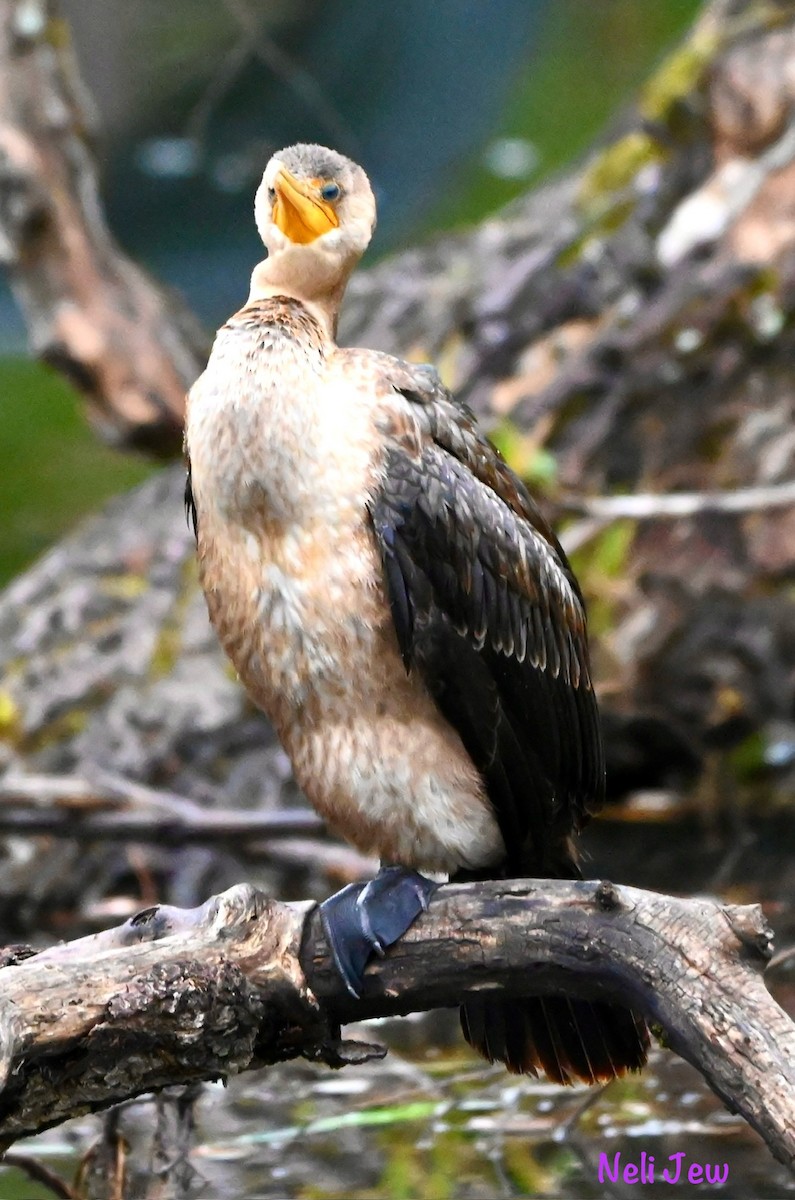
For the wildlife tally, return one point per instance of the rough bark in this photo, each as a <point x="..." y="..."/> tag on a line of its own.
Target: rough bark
<point x="175" y="995"/>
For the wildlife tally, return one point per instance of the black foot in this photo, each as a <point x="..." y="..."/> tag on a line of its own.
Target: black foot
<point x="365" y="918"/>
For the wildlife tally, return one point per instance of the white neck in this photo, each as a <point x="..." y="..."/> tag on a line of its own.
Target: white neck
<point x="318" y="281"/>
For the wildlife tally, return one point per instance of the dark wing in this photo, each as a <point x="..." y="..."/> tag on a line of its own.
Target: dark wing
<point x="191" y="515"/>
<point x="486" y="607"/>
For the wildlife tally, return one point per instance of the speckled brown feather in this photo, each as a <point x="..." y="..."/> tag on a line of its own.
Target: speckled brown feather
<point x="281" y="480"/>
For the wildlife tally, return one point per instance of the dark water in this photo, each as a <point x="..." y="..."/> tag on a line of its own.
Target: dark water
<point x="440" y="1125"/>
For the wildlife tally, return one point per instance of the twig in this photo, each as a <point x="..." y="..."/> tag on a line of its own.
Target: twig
<point x="337" y="862"/>
<point x="111" y="808"/>
<point x="646" y="507"/>
<point x="67" y="806"/>
<point x="565" y="1129"/>
<point x="568" y="1134"/>
<point x="224" y="78"/>
<point x="164" y="828"/>
<point x="782" y="958"/>
<point x="302" y="83"/>
<point x="102" y="791"/>
<point x="37" y="1171"/>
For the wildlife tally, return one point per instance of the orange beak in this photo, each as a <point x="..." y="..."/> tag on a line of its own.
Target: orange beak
<point x="299" y="211"/>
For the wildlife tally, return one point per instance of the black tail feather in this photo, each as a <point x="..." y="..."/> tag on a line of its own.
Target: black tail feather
<point x="568" y="1040"/>
<point x="542" y="789"/>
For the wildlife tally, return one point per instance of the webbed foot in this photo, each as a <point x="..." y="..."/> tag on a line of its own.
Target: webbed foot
<point x="365" y="918"/>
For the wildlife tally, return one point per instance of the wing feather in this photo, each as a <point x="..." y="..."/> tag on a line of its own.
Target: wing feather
<point x="486" y="607"/>
<point x="191" y="515"/>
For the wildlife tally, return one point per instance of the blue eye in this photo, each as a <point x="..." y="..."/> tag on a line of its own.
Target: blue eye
<point x="330" y="191"/>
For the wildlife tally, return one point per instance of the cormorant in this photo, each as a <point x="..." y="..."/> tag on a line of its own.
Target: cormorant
<point x="392" y="598"/>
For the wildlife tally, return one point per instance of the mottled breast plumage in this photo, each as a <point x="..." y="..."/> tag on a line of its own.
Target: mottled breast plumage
<point x="293" y="576"/>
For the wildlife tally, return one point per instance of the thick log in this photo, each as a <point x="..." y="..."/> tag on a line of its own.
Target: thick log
<point x="174" y="995"/>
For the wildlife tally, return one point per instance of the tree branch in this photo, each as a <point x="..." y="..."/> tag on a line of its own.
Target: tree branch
<point x="111" y="808"/>
<point x="643" y="506"/>
<point x="179" y="995"/>
<point x="131" y="348"/>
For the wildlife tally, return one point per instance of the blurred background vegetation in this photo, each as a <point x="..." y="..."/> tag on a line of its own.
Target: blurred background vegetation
<point x="454" y="107"/>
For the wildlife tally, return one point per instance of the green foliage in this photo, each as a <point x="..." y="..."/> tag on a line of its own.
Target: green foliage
<point x="17" y="1185"/>
<point x="54" y="468"/>
<point x="9" y="718"/>
<point x="530" y="1176"/>
<point x="610" y="549"/>
<point x="521" y="451"/>
<point x="679" y="75"/>
<point x="747" y="761"/>
<point x="615" y="167"/>
<point x="433" y="1171"/>
<point x="600" y="565"/>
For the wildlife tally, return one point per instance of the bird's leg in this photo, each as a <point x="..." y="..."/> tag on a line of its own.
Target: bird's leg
<point x="365" y="918"/>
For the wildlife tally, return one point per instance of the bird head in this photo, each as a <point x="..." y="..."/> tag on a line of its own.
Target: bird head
<point x="315" y="212"/>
